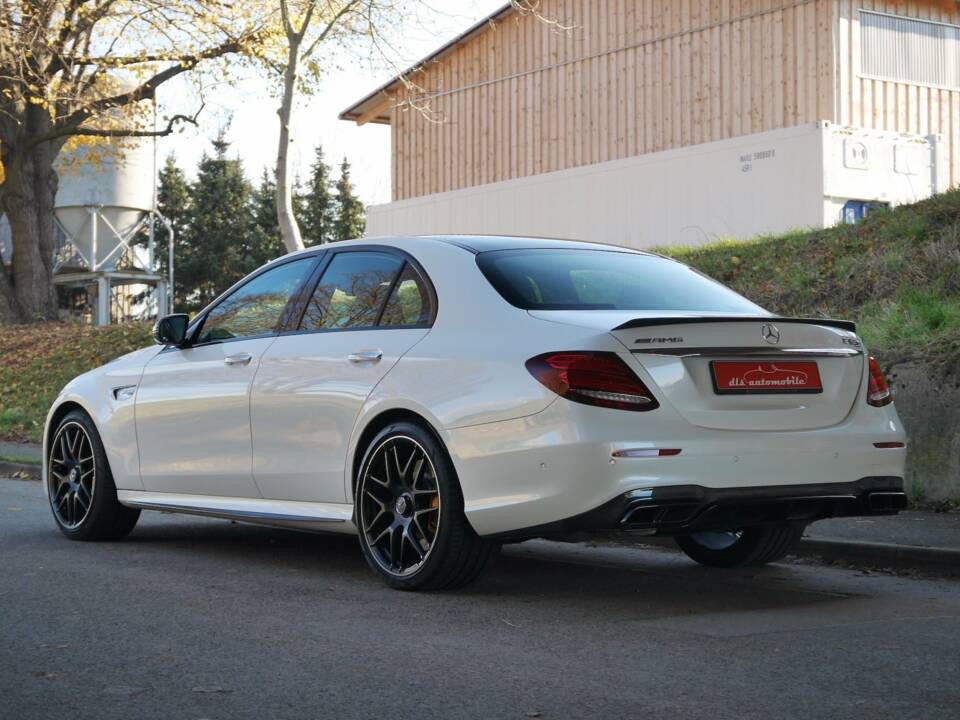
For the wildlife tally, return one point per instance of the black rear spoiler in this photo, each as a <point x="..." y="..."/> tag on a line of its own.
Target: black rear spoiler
<point x="654" y="322"/>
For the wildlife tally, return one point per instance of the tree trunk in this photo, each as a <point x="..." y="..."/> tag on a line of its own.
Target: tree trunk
<point x="29" y="190"/>
<point x="8" y="304"/>
<point x="289" y="230"/>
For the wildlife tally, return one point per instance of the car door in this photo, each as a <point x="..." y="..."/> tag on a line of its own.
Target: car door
<point x="368" y="308"/>
<point x="193" y="403"/>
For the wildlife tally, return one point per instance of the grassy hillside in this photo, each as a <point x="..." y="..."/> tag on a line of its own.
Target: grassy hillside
<point x="897" y="274"/>
<point x="36" y="361"/>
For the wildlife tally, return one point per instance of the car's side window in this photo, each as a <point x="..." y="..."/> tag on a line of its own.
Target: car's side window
<point x="352" y="291"/>
<point x="410" y="303"/>
<point x="256" y="307"/>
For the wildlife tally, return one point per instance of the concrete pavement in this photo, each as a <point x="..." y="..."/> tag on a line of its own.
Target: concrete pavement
<point x="21" y="451"/>
<point x="909" y="541"/>
<point x="19" y="459"/>
<point x="910" y="528"/>
<point x="193" y="618"/>
<point x="913" y="540"/>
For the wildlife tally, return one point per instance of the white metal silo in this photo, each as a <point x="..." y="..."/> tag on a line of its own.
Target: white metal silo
<point x="105" y="199"/>
<point x="105" y="194"/>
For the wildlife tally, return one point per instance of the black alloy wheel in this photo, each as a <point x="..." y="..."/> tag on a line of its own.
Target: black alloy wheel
<point x="72" y="475"/>
<point x="80" y="486"/>
<point x="409" y="513"/>
<point x="400" y="505"/>
<point x="750" y="546"/>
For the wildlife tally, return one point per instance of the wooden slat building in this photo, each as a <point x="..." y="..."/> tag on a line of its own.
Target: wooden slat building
<point x="515" y="97"/>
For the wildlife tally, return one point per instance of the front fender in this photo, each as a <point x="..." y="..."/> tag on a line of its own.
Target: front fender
<point x="114" y="419"/>
<point x="65" y="397"/>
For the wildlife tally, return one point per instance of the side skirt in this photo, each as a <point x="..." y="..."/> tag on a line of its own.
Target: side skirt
<point x="324" y="517"/>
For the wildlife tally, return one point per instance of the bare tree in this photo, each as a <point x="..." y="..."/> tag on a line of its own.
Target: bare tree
<point x="77" y="69"/>
<point x="311" y="28"/>
<point x="306" y="25"/>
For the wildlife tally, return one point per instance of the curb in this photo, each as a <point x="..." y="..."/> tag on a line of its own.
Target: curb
<point x="940" y="561"/>
<point x="23" y="471"/>
<point x="943" y="562"/>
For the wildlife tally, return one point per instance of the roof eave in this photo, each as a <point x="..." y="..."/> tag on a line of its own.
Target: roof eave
<point x="361" y="110"/>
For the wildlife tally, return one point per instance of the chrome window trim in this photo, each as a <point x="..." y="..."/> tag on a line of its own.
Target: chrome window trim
<point x="749" y="352"/>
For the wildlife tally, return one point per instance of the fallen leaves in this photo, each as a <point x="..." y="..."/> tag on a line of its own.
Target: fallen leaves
<point x="209" y="690"/>
<point x="36" y="361"/>
<point x="123" y="690"/>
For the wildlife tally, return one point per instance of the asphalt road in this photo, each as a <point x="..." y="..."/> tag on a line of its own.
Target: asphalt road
<point x="192" y="618"/>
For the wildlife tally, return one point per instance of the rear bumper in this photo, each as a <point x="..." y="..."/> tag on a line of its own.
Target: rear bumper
<point x="561" y="462"/>
<point x="683" y="509"/>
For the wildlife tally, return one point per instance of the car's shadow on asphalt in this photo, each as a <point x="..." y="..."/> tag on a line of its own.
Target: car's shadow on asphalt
<point x="584" y="578"/>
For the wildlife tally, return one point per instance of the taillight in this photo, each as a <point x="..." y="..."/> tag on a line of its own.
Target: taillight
<point x="878" y="394"/>
<point x="592" y="378"/>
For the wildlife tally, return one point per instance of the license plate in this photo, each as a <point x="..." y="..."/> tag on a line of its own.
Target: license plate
<point x="733" y="378"/>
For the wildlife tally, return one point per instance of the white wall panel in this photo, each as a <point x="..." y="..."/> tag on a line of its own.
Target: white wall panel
<point x="902" y="72"/>
<point x="764" y="183"/>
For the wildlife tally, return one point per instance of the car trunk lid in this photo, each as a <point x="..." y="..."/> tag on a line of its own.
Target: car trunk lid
<point x="735" y="372"/>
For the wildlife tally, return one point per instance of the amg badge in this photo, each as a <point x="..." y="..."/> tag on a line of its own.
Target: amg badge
<point x="648" y="341"/>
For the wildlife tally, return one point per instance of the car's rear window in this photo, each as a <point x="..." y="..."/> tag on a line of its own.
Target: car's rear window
<point x="546" y="279"/>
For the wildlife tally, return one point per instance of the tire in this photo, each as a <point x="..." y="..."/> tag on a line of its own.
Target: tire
<point x="748" y="547"/>
<point x="409" y="513"/>
<point x="80" y="488"/>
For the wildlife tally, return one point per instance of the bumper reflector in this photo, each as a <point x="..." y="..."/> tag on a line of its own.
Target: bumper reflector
<point x="889" y="445"/>
<point x="646" y="452"/>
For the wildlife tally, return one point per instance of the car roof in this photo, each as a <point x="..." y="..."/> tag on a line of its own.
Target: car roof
<point x="471" y="243"/>
<point x="488" y="243"/>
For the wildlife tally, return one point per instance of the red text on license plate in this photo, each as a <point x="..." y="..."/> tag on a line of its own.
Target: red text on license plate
<point x="765" y="377"/>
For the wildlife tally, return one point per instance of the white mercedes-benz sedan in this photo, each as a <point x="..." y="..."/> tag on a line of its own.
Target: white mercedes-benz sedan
<point x="439" y="396"/>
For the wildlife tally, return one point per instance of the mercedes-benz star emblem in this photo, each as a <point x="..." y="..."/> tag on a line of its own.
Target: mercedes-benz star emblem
<point x="401" y="505"/>
<point x="770" y="333"/>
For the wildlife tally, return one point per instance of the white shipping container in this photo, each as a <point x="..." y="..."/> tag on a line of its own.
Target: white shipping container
<point x="771" y="182"/>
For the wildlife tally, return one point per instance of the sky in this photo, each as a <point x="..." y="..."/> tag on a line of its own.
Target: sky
<point x="246" y="110"/>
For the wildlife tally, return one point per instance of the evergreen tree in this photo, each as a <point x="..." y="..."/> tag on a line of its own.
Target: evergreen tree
<point x="350" y="216"/>
<point x="225" y="228"/>
<point x="173" y="196"/>
<point x="173" y="202"/>
<point x="218" y="248"/>
<point x="319" y="211"/>
<point x="267" y="242"/>
<point x="300" y="205"/>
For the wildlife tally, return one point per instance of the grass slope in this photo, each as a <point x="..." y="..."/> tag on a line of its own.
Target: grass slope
<point x="897" y="274"/>
<point x="36" y="361"/>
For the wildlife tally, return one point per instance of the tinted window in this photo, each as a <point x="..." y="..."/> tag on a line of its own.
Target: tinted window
<point x="256" y="307"/>
<point x="410" y="302"/>
<point x="604" y="280"/>
<point x="351" y="292"/>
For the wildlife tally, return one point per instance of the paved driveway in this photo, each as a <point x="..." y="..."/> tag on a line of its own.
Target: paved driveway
<point x="194" y="618"/>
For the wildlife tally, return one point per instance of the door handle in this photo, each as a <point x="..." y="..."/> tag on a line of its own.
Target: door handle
<point x="239" y="359"/>
<point x="365" y="356"/>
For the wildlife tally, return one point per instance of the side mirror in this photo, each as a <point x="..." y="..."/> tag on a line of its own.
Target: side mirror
<point x="171" y="330"/>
